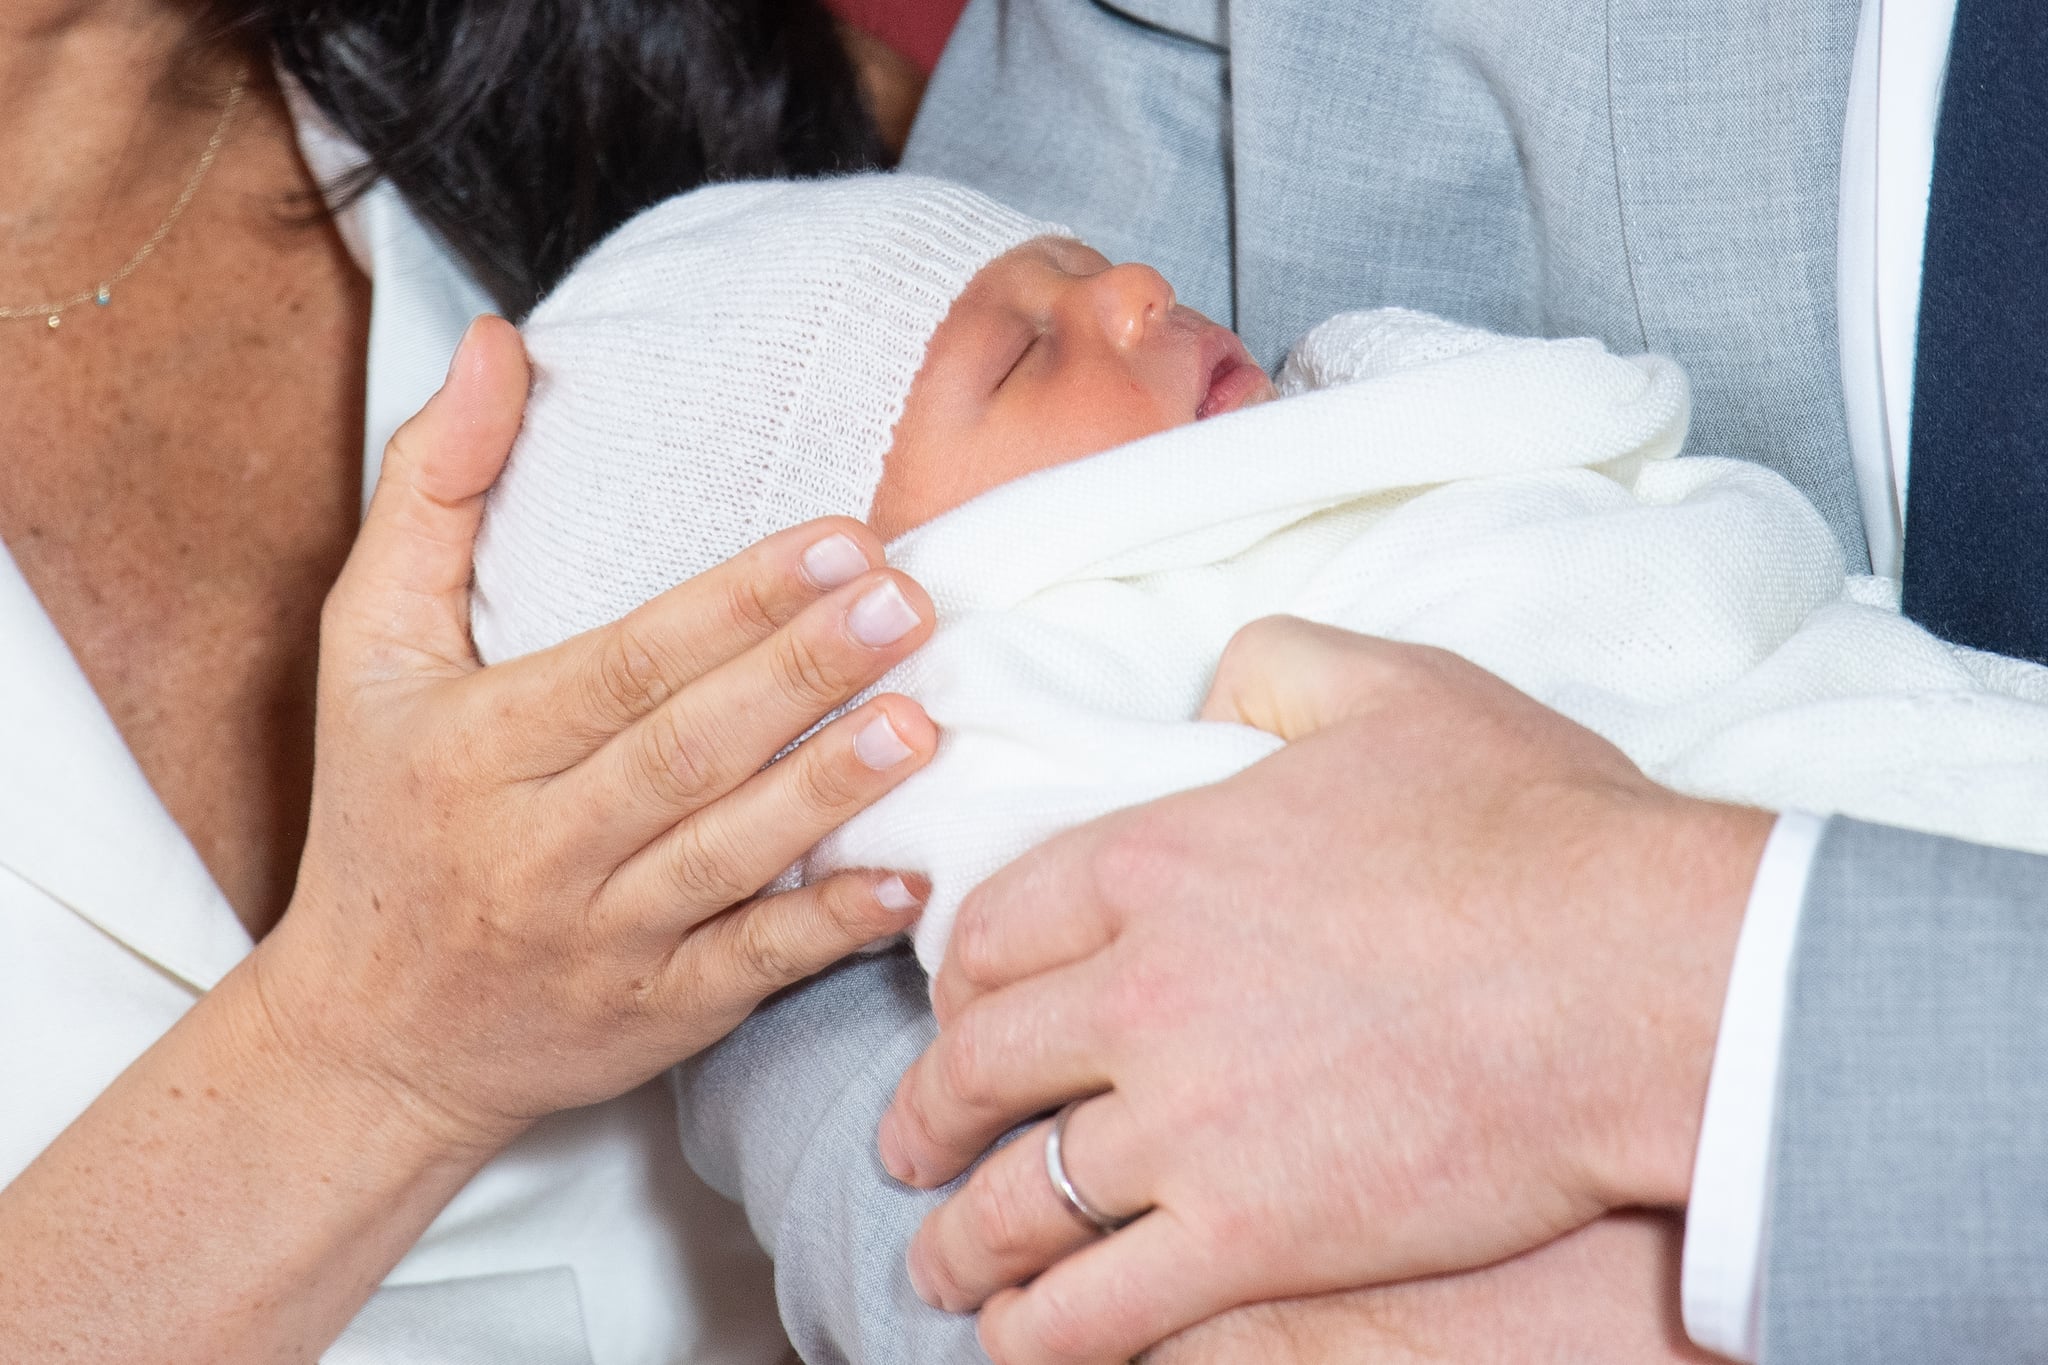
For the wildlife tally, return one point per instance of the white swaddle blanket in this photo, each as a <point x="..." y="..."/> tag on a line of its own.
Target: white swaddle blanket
<point x="1513" y="500"/>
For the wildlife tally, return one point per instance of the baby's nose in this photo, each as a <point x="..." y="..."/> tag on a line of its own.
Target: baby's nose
<point x="1132" y="299"/>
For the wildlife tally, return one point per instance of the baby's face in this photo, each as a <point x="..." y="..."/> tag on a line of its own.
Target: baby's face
<point x="1050" y="355"/>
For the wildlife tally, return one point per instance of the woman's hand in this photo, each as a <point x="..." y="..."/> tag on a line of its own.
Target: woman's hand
<point x="525" y="888"/>
<point x="1433" y="985"/>
<point x="529" y="887"/>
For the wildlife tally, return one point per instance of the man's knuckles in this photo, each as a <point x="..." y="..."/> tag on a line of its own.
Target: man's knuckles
<point x="1143" y="856"/>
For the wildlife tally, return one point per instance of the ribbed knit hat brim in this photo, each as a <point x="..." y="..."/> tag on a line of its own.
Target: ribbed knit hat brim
<point x="727" y="364"/>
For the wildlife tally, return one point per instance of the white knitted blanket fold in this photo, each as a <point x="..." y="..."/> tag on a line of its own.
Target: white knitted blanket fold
<point x="1513" y="500"/>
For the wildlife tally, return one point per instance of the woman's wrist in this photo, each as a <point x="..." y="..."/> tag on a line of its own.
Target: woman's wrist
<point x="296" y="1017"/>
<point x="267" y="1190"/>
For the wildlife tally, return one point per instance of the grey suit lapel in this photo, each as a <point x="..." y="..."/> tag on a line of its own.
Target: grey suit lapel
<point x="1728" y="138"/>
<point x="1657" y="173"/>
<point x="1371" y="166"/>
<point x="1202" y="20"/>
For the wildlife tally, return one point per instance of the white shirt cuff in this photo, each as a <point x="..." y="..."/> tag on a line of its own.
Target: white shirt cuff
<point x="1727" y="1221"/>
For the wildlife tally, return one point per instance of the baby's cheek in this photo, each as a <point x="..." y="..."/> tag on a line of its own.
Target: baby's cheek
<point x="933" y="469"/>
<point x="1121" y="408"/>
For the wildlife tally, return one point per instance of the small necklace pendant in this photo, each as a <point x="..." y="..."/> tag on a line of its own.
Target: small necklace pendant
<point x="104" y="297"/>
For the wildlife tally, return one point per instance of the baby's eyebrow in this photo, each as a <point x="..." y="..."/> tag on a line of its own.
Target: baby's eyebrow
<point x="1072" y="256"/>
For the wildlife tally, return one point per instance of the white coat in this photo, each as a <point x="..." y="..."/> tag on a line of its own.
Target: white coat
<point x="589" y="1241"/>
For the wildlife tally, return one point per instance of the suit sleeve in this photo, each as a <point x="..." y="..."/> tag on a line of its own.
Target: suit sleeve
<point x="781" y="1116"/>
<point x="1909" y="1217"/>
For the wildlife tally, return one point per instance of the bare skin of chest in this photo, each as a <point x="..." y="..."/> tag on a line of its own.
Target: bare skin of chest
<point x="180" y="479"/>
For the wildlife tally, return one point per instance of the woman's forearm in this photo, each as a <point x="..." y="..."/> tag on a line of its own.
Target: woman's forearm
<point x="227" y="1199"/>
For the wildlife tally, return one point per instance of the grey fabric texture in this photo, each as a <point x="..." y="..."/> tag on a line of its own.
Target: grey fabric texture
<point x="1655" y="173"/>
<point x="782" y="1117"/>
<point x="1122" y="122"/>
<point x="1910" y="1206"/>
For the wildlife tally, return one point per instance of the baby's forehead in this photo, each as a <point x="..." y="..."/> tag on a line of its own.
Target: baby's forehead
<point x="1068" y="255"/>
<point x="1020" y="275"/>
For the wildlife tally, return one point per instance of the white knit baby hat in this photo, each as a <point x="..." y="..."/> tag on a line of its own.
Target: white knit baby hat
<point x="727" y="364"/>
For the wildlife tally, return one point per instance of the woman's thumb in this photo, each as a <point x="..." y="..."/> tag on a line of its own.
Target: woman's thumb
<point x="404" y="594"/>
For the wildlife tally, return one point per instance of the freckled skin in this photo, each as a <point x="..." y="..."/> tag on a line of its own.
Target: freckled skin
<point x="180" y="476"/>
<point x="1051" y="354"/>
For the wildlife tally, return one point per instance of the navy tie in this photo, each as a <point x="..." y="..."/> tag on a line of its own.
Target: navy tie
<point x="1976" y="567"/>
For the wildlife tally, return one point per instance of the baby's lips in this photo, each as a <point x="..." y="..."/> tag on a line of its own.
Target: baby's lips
<point x="1233" y="379"/>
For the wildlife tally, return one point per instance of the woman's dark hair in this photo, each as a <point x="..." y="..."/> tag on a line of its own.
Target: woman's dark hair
<point x="525" y="130"/>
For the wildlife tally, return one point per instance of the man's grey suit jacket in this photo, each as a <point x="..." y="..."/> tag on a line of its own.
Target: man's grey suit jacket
<point x="1660" y="174"/>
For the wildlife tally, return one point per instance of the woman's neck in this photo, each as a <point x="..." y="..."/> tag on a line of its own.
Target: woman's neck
<point x="100" y="104"/>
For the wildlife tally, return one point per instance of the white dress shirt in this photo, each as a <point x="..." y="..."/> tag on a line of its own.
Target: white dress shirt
<point x="1894" y="104"/>
<point x="588" y="1241"/>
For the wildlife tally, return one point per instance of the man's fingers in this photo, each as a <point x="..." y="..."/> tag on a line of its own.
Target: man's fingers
<point x="403" y="597"/>
<point x="1106" y="1303"/>
<point x="1008" y="1222"/>
<point x="593" y="686"/>
<point x="1045" y="910"/>
<point x="715" y="734"/>
<point x="729" y="851"/>
<point x="756" y="949"/>
<point x="1291" y="677"/>
<point x="1005" y="1057"/>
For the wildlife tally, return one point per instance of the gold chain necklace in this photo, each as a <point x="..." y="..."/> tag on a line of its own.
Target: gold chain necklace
<point x="103" y="292"/>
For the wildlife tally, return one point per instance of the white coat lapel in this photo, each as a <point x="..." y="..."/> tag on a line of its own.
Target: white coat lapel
<point x="421" y="297"/>
<point x="421" y="302"/>
<point x="80" y="821"/>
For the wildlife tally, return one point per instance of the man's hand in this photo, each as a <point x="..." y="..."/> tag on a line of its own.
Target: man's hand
<point x="1605" y="1295"/>
<point x="1430" y="987"/>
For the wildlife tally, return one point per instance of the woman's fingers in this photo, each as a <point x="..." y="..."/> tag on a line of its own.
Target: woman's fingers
<point x="728" y="851"/>
<point x="715" y="734"/>
<point x="588" y="689"/>
<point x="753" y="950"/>
<point x="1008" y="1223"/>
<point x="402" y="601"/>
<point x="1006" y="1057"/>
<point x="1108" y="1302"/>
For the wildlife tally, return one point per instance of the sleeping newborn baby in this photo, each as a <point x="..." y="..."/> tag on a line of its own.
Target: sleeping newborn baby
<point x="1091" y="484"/>
<point x="750" y="356"/>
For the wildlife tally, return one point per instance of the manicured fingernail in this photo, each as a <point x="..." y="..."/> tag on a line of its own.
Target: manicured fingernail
<point x="894" y="893"/>
<point x="460" y="342"/>
<point x="920" y="1280"/>
<point x="882" y="617"/>
<point x="881" y="748"/>
<point x="462" y="345"/>
<point x="893" y="1159"/>
<point x="834" y="561"/>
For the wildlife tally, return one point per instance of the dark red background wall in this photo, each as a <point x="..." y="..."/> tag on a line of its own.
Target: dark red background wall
<point x="915" y="28"/>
